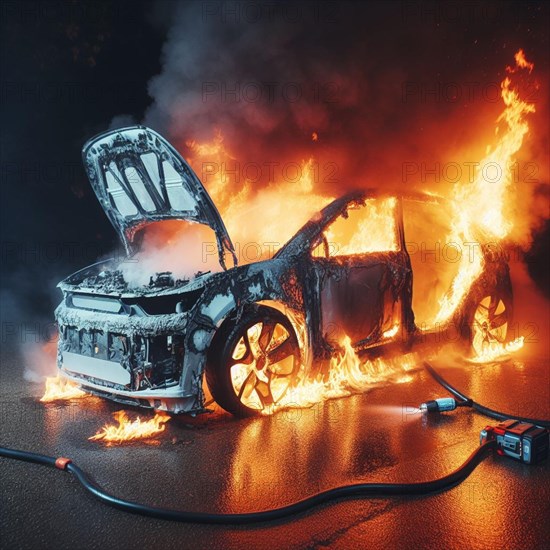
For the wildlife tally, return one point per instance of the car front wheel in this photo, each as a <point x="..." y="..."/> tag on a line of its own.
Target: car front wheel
<point x="253" y="362"/>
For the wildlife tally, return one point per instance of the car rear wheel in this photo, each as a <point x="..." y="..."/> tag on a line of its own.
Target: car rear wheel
<point x="491" y="320"/>
<point x="253" y="362"/>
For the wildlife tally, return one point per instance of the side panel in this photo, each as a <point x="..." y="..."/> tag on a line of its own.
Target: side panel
<point x="361" y="298"/>
<point x="352" y="301"/>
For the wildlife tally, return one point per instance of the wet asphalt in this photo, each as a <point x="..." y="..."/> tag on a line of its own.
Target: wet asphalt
<point x="222" y="464"/>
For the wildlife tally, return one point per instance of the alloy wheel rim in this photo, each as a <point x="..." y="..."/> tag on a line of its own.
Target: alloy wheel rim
<point x="263" y="364"/>
<point x="490" y="324"/>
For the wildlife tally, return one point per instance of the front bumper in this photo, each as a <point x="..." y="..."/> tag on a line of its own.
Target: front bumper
<point x="161" y="400"/>
<point x="135" y="360"/>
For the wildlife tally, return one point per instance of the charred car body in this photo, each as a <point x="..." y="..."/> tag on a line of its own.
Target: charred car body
<point x="251" y="331"/>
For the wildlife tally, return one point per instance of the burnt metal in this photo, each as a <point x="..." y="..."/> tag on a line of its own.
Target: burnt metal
<point x="159" y="335"/>
<point x="128" y="170"/>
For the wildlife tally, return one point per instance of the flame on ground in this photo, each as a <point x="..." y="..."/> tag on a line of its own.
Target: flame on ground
<point x="130" y="430"/>
<point x="347" y="374"/>
<point x="498" y="351"/>
<point x="58" y="388"/>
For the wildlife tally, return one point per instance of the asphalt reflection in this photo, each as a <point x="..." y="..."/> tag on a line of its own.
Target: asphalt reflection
<point x="218" y="463"/>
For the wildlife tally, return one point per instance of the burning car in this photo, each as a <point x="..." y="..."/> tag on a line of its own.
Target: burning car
<point x="249" y="333"/>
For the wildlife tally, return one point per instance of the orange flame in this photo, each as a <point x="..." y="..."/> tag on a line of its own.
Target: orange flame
<point x="58" y="388"/>
<point x="485" y="203"/>
<point x="347" y="374"/>
<point x="487" y="197"/>
<point x="128" y="430"/>
<point x="497" y="351"/>
<point x="521" y="62"/>
<point x="268" y="227"/>
<point x="374" y="229"/>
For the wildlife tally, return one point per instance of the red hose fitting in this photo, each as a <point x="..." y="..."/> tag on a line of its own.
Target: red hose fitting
<point x="62" y="462"/>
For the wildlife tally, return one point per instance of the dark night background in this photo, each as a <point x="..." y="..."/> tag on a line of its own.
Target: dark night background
<point x="69" y="68"/>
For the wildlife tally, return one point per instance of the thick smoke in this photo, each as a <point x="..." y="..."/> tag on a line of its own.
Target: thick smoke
<point x="372" y="95"/>
<point x="391" y="95"/>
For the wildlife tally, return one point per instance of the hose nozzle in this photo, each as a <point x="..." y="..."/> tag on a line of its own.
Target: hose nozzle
<point x="439" y="405"/>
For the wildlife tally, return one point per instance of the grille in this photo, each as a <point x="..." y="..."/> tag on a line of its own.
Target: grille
<point x="95" y="343"/>
<point x="154" y="362"/>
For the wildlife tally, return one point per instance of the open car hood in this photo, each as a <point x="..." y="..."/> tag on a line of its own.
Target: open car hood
<point x="139" y="178"/>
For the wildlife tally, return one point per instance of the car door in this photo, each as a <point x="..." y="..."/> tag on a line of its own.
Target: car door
<point x="362" y="274"/>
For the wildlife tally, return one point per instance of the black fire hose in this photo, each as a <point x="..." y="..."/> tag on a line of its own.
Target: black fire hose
<point x="465" y="401"/>
<point x="368" y="490"/>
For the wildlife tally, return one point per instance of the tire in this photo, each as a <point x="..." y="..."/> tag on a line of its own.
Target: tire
<point x="253" y="361"/>
<point x="489" y="321"/>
